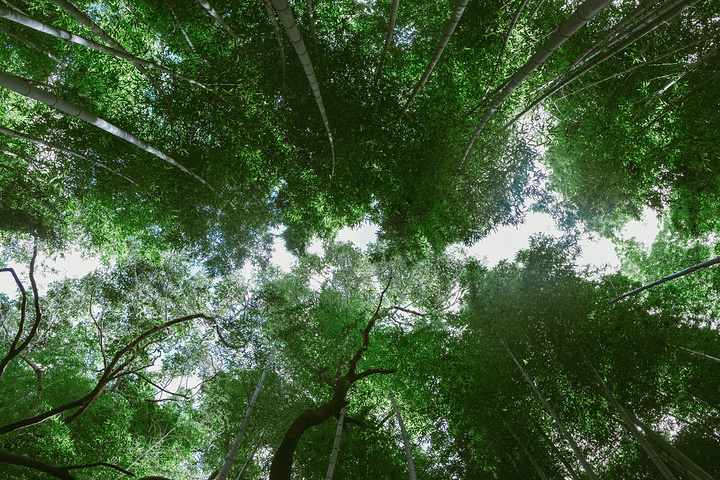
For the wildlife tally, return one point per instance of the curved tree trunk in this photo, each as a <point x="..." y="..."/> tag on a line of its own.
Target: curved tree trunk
<point x="23" y="136"/>
<point x="281" y="467"/>
<point x="21" y="86"/>
<point x="65" y="35"/>
<point x="282" y="7"/>
<point x="584" y="13"/>
<point x="81" y="17"/>
<point x="447" y="33"/>
<point x="388" y="39"/>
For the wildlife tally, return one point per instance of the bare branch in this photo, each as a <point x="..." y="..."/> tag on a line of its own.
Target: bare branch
<point x="15" y="349"/>
<point x="110" y="373"/>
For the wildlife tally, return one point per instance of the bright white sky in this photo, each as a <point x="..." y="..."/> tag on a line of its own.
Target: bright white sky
<point x="503" y="244"/>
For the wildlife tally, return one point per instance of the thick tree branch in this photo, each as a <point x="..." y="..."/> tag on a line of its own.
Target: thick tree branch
<point x="109" y="374"/>
<point x="373" y="371"/>
<point x="16" y="349"/>
<point x="57" y="472"/>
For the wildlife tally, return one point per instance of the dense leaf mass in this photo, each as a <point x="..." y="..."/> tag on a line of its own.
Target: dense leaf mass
<point x="176" y="139"/>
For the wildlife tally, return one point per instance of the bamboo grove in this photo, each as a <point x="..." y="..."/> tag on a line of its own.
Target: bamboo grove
<point x="175" y="140"/>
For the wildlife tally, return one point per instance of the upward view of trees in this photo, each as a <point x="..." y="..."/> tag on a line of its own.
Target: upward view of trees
<point x="174" y="139"/>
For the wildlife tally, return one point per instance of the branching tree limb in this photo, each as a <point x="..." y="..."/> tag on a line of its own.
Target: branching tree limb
<point x="111" y="372"/>
<point x="16" y="347"/>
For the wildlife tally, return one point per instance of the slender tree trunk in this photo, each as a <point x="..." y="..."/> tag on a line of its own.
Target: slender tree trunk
<point x="31" y="45"/>
<point x="276" y="28"/>
<point x="670" y="450"/>
<point x="527" y="451"/>
<point x="111" y="372"/>
<point x="225" y="470"/>
<point x="281" y="468"/>
<point x="578" y="453"/>
<point x="336" y="446"/>
<point x="211" y="10"/>
<point x="81" y="17"/>
<point x="17" y="346"/>
<point x="59" y="33"/>
<point x="701" y="355"/>
<point x="22" y="87"/>
<point x="571" y="471"/>
<point x="406" y="442"/>
<point x="584" y="13"/>
<point x="659" y="464"/>
<point x="447" y="33"/>
<point x="633" y="36"/>
<point x="37" y="141"/>
<point x="252" y="455"/>
<point x="681" y="273"/>
<point x="282" y="7"/>
<point x="388" y="39"/>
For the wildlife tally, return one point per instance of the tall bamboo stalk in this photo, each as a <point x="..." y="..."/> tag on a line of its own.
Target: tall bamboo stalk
<point x="578" y="453"/>
<point x="657" y="461"/>
<point x="444" y="39"/>
<point x="336" y="446"/>
<point x="406" y="442"/>
<point x="21" y="86"/>
<point x="225" y="470"/>
<point x="65" y="35"/>
<point x="584" y="13"/>
<point x="282" y="7"/>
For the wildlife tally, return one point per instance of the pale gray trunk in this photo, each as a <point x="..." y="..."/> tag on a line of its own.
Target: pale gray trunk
<point x="225" y="470"/>
<point x="617" y="30"/>
<point x="406" y="442"/>
<point x="81" y="17"/>
<point x="31" y="45"/>
<point x="22" y="87"/>
<point x="177" y="21"/>
<point x="702" y="355"/>
<point x="144" y="454"/>
<point x="388" y="39"/>
<point x="681" y="273"/>
<point x="527" y="451"/>
<point x="444" y="39"/>
<point x="558" y="453"/>
<point x="252" y="455"/>
<point x="276" y="28"/>
<point x="336" y="446"/>
<point x="584" y="13"/>
<point x="670" y="450"/>
<point x="282" y="7"/>
<point x="59" y="33"/>
<point x="630" y="38"/>
<point x="578" y="453"/>
<point x="37" y="141"/>
<point x="510" y="30"/>
<point x="659" y="464"/>
<point x="216" y="16"/>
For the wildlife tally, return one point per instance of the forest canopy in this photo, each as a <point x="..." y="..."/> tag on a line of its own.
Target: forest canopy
<point x="173" y="139"/>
